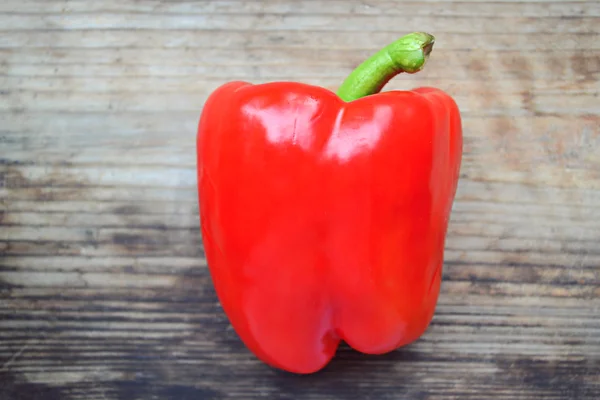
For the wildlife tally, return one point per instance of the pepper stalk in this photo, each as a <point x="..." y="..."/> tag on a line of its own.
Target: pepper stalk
<point x="407" y="54"/>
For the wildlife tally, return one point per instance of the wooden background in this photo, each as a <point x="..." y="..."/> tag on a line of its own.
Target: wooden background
<point x="104" y="291"/>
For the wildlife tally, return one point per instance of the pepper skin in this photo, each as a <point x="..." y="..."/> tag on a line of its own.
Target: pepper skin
<point x="323" y="219"/>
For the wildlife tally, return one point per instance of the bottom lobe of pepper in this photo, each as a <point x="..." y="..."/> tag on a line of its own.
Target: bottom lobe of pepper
<point x="292" y="307"/>
<point x="309" y="353"/>
<point x="301" y="331"/>
<point x="288" y="316"/>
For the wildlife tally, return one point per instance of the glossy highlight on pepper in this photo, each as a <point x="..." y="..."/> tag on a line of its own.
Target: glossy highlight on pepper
<point x="324" y="215"/>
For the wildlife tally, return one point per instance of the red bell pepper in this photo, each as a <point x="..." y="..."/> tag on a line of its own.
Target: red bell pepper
<point x="324" y="215"/>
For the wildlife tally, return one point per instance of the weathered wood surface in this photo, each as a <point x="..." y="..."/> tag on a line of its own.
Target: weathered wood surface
<point x="104" y="292"/>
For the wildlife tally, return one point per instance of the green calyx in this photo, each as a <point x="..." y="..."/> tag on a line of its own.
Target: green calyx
<point x="407" y="54"/>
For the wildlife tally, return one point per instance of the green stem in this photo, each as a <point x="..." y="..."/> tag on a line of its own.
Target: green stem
<point x="407" y="54"/>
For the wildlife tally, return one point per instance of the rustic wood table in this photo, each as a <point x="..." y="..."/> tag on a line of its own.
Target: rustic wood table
<point x="104" y="291"/>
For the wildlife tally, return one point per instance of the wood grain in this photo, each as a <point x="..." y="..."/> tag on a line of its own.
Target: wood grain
<point x="104" y="289"/>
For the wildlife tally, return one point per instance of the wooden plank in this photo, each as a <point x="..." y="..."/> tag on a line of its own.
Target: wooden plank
<point x="545" y="74"/>
<point x="282" y="22"/>
<point x="510" y="60"/>
<point x="474" y="9"/>
<point x="159" y="38"/>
